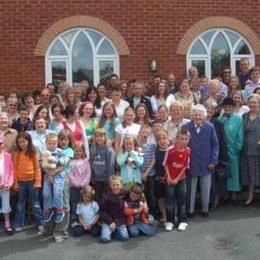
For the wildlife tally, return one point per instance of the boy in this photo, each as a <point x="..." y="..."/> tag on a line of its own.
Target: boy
<point x="112" y="212"/>
<point x="176" y="161"/>
<point x="148" y="172"/>
<point x="136" y="212"/>
<point x="23" y="122"/>
<point x="54" y="181"/>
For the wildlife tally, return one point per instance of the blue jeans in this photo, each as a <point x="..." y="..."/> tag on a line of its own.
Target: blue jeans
<point x="120" y="233"/>
<point x="176" y="193"/>
<point x="26" y="188"/>
<point x="53" y="192"/>
<point x="74" y="200"/>
<point x="139" y="227"/>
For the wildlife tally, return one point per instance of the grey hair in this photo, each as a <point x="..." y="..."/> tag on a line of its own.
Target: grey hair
<point x="199" y="109"/>
<point x="211" y="102"/>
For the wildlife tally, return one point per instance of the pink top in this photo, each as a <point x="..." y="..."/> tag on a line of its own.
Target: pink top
<point x="7" y="177"/>
<point x="80" y="173"/>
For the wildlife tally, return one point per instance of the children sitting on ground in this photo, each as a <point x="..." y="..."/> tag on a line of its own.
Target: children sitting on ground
<point x="136" y="212"/>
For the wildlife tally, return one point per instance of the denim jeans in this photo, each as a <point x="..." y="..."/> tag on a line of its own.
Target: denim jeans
<point x="26" y="188"/>
<point x="79" y="231"/>
<point x="74" y="200"/>
<point x="139" y="227"/>
<point x="120" y="233"/>
<point x="176" y="193"/>
<point x="53" y="192"/>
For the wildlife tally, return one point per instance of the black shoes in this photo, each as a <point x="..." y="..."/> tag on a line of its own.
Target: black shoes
<point x="205" y="214"/>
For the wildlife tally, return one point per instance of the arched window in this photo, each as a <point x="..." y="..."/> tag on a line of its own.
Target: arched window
<point x="81" y="54"/>
<point x="216" y="49"/>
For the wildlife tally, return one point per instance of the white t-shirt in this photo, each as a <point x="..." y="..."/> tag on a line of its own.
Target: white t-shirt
<point x="120" y="108"/>
<point x="156" y="102"/>
<point x="132" y="130"/>
<point x="87" y="212"/>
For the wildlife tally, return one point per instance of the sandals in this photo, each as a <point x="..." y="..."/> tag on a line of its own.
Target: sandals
<point x="9" y="231"/>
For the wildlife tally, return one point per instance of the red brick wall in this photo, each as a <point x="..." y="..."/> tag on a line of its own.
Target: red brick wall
<point x="151" y="28"/>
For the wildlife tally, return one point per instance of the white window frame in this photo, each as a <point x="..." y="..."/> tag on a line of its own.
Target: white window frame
<point x="68" y="58"/>
<point x="207" y="57"/>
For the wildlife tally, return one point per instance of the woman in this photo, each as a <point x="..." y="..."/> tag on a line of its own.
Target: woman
<point x="69" y="98"/>
<point x="57" y="111"/>
<point x="94" y="98"/>
<point x="119" y="103"/>
<point x="185" y="95"/>
<point x="142" y="115"/>
<point x="28" y="101"/>
<point x="250" y="155"/>
<point x="233" y="86"/>
<point x="163" y="115"/>
<point x="232" y="125"/>
<point x="12" y="108"/>
<point x="7" y="133"/>
<point x="204" y="155"/>
<point x="177" y="120"/>
<point x="101" y="89"/>
<point x="74" y="127"/>
<point x="87" y="117"/>
<point x="240" y="108"/>
<point x="162" y="96"/>
<point x="127" y="127"/>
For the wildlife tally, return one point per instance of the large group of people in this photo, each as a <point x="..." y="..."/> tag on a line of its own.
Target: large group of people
<point x="118" y="159"/>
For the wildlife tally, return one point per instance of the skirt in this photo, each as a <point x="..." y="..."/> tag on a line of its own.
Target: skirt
<point x="250" y="170"/>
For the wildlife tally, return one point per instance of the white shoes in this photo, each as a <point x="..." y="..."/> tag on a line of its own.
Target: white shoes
<point x="168" y="226"/>
<point x="182" y="226"/>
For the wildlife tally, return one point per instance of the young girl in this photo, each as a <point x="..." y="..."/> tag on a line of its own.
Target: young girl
<point x="130" y="162"/>
<point x="6" y="182"/>
<point x="27" y="180"/>
<point x="87" y="213"/>
<point x="109" y="120"/>
<point x="112" y="212"/>
<point x="102" y="160"/>
<point x="79" y="177"/>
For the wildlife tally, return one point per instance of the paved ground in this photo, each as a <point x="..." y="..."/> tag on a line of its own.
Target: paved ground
<point x="230" y="233"/>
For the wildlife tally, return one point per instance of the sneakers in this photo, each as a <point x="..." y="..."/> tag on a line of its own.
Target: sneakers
<point x="59" y="215"/>
<point x="47" y="215"/>
<point x="182" y="226"/>
<point x="168" y="226"/>
<point x="18" y="229"/>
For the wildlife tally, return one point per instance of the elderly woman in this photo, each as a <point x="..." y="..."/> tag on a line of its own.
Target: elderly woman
<point x="232" y="125"/>
<point x="176" y="121"/>
<point x="12" y="108"/>
<point x="204" y="147"/>
<point x="250" y="155"/>
<point x="28" y="101"/>
<point x="6" y="132"/>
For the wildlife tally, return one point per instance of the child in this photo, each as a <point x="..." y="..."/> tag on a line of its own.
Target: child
<point x="176" y="162"/>
<point x="27" y="180"/>
<point x="162" y="145"/>
<point x="157" y="125"/>
<point x="136" y="212"/>
<point x="23" y="122"/>
<point x="54" y="181"/>
<point x="79" y="177"/>
<point x="130" y="162"/>
<point x="148" y="172"/>
<point x="109" y="121"/>
<point x="102" y="160"/>
<point x="87" y="212"/>
<point x="112" y="212"/>
<point x="6" y="182"/>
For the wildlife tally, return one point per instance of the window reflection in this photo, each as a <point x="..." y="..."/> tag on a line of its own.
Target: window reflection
<point x="58" y="72"/>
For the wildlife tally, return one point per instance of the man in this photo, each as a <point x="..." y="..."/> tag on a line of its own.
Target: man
<point x="244" y="74"/>
<point x="52" y="88"/>
<point x="45" y="96"/>
<point x="171" y="83"/>
<point x="193" y="73"/>
<point x="138" y="98"/>
<point x="226" y="76"/>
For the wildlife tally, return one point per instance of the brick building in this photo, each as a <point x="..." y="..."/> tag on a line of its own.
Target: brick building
<point x="45" y="40"/>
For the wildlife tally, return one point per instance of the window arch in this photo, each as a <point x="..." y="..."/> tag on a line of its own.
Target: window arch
<point x="80" y="54"/>
<point x="217" y="48"/>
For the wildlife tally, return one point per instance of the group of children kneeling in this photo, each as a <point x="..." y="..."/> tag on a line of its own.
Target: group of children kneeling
<point x="120" y="211"/>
